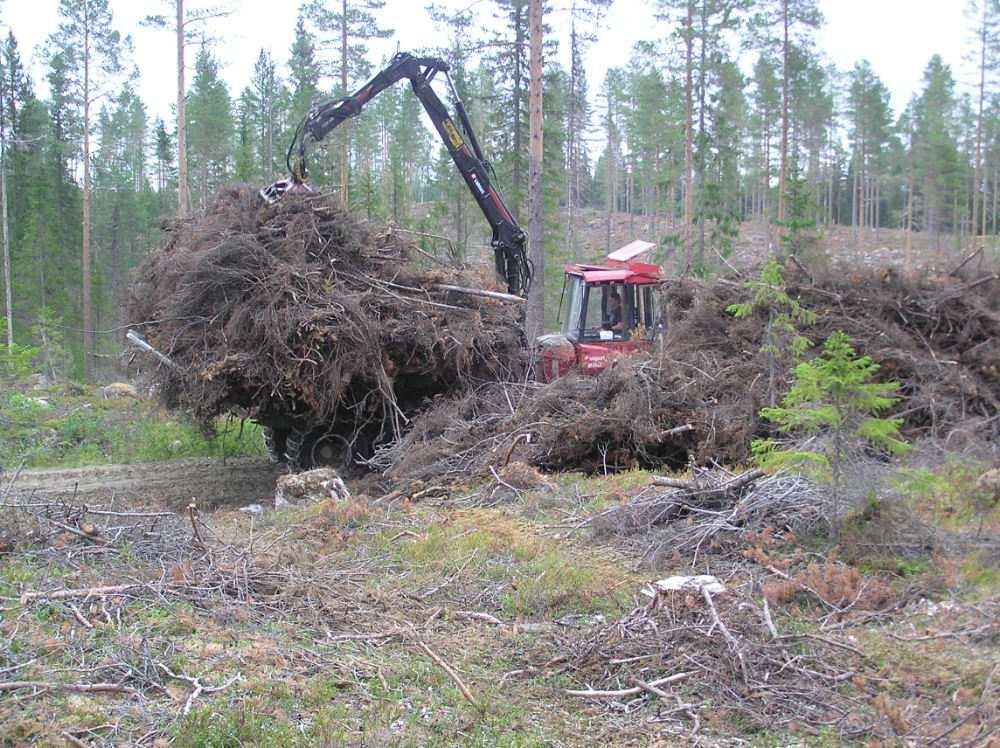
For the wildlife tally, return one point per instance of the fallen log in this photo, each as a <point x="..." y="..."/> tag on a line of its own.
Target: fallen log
<point x="590" y="693"/>
<point x="479" y="292"/>
<point x="115" y="589"/>
<point x="17" y="685"/>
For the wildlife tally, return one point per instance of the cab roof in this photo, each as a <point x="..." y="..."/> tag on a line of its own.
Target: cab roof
<point x="642" y="275"/>
<point x="622" y="267"/>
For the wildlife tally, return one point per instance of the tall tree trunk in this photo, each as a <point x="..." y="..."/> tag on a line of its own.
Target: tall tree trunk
<point x="88" y="332"/>
<point x="182" y="183"/>
<point x="7" y="280"/>
<point x="688" y="135"/>
<point x="517" y="175"/>
<point x="908" y="246"/>
<point x="572" y="185"/>
<point x="878" y="207"/>
<point x="346" y="128"/>
<point x="766" y="187"/>
<point x="700" y="258"/>
<point x="535" y="321"/>
<point x="782" y="173"/>
<point x="977" y="172"/>
<point x="996" y="194"/>
<point x="609" y="197"/>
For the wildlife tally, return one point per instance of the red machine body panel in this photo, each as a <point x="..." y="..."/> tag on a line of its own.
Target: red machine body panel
<point x="608" y="315"/>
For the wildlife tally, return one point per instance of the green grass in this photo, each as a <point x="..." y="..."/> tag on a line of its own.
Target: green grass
<point x="947" y="496"/>
<point x="539" y="577"/>
<point x="54" y="428"/>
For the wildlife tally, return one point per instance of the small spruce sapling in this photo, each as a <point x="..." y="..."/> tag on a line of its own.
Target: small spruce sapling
<point x="784" y="317"/>
<point x="800" y="237"/>
<point x="833" y="394"/>
<point x="15" y="359"/>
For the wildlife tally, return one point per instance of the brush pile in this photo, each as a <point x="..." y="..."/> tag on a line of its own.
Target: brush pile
<point x="704" y="652"/>
<point x="299" y="313"/>
<point x="716" y="511"/>
<point x="696" y="398"/>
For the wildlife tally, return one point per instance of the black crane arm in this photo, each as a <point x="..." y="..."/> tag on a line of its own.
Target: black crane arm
<point x="508" y="238"/>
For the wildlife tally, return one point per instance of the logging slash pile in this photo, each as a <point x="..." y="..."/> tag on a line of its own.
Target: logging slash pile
<point x="697" y="397"/>
<point x="299" y="313"/>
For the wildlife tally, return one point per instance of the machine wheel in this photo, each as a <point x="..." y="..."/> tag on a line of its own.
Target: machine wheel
<point x="276" y="444"/>
<point x="307" y="450"/>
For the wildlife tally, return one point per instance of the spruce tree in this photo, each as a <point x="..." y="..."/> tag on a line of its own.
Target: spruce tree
<point x="210" y="127"/>
<point x="834" y="394"/>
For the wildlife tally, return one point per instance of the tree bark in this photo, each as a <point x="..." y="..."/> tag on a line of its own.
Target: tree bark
<point x="88" y="333"/>
<point x="182" y="184"/>
<point x="535" y="321"/>
<point x="977" y="172"/>
<point x="346" y="127"/>
<point x="996" y="194"/>
<point x="688" y="135"/>
<point x="516" y="172"/>
<point x="609" y="196"/>
<point x="908" y="246"/>
<point x="7" y="279"/>
<point x="702" y="64"/>
<point x="784" y="114"/>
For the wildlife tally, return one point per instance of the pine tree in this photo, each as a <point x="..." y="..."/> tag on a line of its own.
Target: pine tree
<point x="507" y="59"/>
<point x="267" y="93"/>
<point x="786" y="24"/>
<point x="871" y="133"/>
<point x="166" y="172"/>
<point x="351" y="25"/>
<point x="90" y="48"/>
<point x="985" y="16"/>
<point x="584" y="15"/>
<point x="535" y="318"/>
<point x="246" y="167"/>
<point x="124" y="211"/>
<point x="766" y="102"/>
<point x="184" y="22"/>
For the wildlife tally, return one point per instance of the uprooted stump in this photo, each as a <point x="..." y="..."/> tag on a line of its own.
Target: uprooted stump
<point x="300" y="313"/>
<point x="310" y="487"/>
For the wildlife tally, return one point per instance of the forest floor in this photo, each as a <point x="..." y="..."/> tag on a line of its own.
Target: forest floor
<point x="140" y="606"/>
<point x="464" y="619"/>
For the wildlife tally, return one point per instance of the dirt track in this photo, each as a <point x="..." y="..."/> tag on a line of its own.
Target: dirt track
<point x="211" y="483"/>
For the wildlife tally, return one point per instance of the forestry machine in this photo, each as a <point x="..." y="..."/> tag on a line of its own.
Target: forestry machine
<point x="611" y="309"/>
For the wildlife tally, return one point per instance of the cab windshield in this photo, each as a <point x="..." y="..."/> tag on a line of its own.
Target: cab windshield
<point x="608" y="311"/>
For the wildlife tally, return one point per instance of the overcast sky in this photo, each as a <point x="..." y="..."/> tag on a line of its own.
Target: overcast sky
<point x="897" y="36"/>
